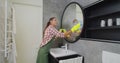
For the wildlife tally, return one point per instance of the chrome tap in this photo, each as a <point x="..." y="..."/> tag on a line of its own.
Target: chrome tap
<point x="65" y="46"/>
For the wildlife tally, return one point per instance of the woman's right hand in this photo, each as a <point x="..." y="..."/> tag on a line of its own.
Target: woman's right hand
<point x="67" y="34"/>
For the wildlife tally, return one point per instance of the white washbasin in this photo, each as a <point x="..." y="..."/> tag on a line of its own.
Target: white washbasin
<point x="60" y="52"/>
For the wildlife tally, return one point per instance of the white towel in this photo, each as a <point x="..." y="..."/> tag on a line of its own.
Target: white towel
<point x="14" y="33"/>
<point x="72" y="60"/>
<point x="14" y="20"/>
<point x="13" y="53"/>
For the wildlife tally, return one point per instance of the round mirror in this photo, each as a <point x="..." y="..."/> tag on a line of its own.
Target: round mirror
<point x="72" y="19"/>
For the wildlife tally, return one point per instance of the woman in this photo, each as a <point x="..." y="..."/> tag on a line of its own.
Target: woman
<point x="50" y="34"/>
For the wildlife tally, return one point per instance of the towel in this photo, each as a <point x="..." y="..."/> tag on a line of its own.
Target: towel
<point x="12" y="49"/>
<point x="14" y="20"/>
<point x="72" y="60"/>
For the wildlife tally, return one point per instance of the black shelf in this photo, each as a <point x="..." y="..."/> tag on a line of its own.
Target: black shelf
<point x="105" y="28"/>
<point x="105" y="10"/>
<point x="106" y="14"/>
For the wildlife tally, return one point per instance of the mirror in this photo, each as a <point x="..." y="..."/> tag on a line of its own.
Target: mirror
<point x="72" y="18"/>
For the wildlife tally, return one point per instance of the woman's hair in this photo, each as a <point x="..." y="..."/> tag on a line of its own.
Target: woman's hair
<point x="48" y="23"/>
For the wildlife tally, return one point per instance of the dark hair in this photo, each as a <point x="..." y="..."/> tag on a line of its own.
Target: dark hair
<point x="48" y="23"/>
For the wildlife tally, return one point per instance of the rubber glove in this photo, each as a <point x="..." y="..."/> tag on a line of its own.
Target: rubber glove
<point x="62" y="30"/>
<point x="78" y="31"/>
<point x="68" y="36"/>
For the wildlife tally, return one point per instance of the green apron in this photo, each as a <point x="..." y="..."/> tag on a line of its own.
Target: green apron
<point x="43" y="52"/>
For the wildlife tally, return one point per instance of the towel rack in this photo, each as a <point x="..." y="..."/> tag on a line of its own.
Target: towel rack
<point x="7" y="38"/>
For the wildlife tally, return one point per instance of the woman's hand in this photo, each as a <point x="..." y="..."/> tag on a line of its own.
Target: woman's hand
<point x="62" y="30"/>
<point x="67" y="34"/>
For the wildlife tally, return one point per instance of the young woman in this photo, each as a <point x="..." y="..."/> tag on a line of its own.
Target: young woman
<point x="50" y="34"/>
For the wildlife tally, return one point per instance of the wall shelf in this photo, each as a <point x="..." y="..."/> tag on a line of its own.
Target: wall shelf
<point x="105" y="28"/>
<point x="106" y="14"/>
<point x="104" y="8"/>
<point x="102" y="11"/>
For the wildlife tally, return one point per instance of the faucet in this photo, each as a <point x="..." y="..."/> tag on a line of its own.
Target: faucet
<point x="65" y="46"/>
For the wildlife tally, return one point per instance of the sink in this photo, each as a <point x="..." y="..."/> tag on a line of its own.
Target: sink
<point x="60" y="52"/>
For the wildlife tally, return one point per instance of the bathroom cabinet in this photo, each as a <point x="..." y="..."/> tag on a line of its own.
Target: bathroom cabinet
<point x="107" y="9"/>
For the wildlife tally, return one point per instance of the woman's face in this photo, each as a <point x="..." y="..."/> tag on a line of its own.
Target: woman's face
<point x="54" y="22"/>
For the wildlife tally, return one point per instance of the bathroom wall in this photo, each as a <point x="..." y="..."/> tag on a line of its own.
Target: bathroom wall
<point x="93" y="50"/>
<point x="53" y="8"/>
<point x="29" y="17"/>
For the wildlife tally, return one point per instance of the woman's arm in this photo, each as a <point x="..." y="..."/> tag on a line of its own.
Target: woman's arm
<point x="58" y="34"/>
<point x="61" y="34"/>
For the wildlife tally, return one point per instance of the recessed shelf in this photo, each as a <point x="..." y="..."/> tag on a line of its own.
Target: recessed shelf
<point x="105" y="14"/>
<point x="104" y="8"/>
<point x="105" y="28"/>
<point x="104" y="11"/>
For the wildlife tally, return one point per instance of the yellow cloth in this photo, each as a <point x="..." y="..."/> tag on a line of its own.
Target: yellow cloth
<point x="75" y="27"/>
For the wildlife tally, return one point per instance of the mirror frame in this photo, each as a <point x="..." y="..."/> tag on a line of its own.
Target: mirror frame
<point x="83" y="20"/>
